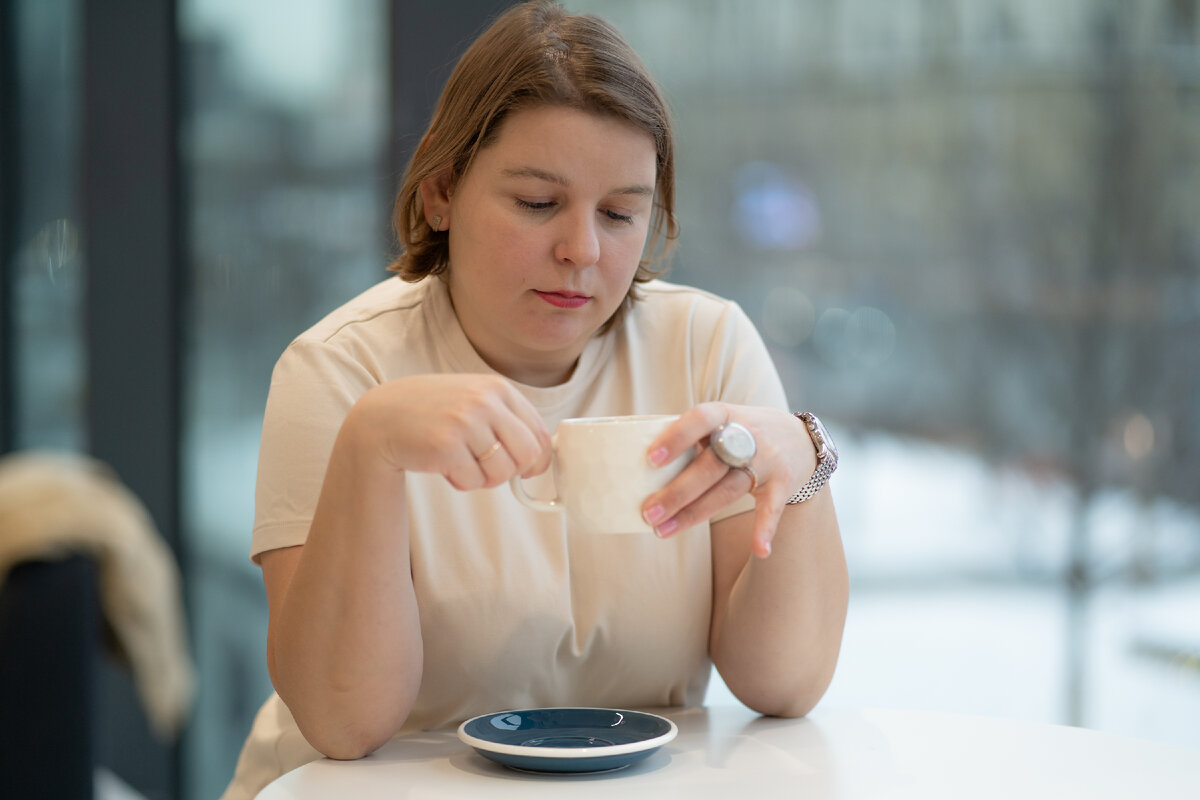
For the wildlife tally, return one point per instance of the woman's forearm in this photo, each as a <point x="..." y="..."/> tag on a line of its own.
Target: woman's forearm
<point x="344" y="645"/>
<point x="344" y="649"/>
<point x="777" y="632"/>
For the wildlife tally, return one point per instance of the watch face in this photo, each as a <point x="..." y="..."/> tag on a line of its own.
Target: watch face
<point x="734" y="444"/>
<point x="821" y="438"/>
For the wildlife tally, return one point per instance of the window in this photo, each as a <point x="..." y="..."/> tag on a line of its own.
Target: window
<point x="49" y="360"/>
<point x="287" y="217"/>
<point x="967" y="232"/>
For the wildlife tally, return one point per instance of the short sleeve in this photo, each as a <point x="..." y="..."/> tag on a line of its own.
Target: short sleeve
<point x="313" y="387"/>
<point x="736" y="367"/>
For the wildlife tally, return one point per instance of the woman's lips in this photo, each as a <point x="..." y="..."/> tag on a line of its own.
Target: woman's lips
<point x="563" y="299"/>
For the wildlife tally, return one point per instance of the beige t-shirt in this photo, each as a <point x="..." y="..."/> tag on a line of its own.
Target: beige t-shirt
<point x="516" y="609"/>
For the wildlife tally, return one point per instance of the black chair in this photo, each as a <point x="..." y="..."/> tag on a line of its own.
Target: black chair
<point x="50" y="637"/>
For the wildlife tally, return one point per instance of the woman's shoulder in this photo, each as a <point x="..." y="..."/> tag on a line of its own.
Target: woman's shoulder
<point x="372" y="333"/>
<point x="671" y="304"/>
<point x="369" y="309"/>
<point x="662" y="291"/>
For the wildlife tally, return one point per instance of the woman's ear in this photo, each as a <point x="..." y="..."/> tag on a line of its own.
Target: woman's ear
<point x="435" y="199"/>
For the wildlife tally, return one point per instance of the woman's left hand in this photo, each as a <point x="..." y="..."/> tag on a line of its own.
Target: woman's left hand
<point x="784" y="459"/>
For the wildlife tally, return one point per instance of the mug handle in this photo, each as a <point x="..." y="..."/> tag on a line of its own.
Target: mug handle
<point x="518" y="489"/>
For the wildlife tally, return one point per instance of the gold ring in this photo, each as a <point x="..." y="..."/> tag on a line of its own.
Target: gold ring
<point x="491" y="451"/>
<point x="749" y="470"/>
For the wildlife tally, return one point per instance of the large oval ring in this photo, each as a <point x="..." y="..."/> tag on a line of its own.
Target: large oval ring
<point x="734" y="444"/>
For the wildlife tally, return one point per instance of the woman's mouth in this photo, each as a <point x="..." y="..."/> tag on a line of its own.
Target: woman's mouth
<point x="564" y="299"/>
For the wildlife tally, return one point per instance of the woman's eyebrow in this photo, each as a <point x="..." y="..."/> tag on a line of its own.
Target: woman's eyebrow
<point x="550" y="177"/>
<point x="533" y="172"/>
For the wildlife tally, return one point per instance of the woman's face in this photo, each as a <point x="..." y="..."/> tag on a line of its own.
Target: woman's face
<point x="546" y="230"/>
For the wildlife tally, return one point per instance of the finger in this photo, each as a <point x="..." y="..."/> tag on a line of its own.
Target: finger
<point x="521" y="452"/>
<point x="518" y="450"/>
<point x="464" y="472"/>
<point x="533" y="453"/>
<point x="482" y="461"/>
<point x="528" y="447"/>
<point x="494" y="462"/>
<point x="515" y="434"/>
<point x="497" y="447"/>
<point x="692" y="428"/>
<point x="730" y="487"/>
<point x="513" y="448"/>
<point x="697" y="478"/>
<point x="767" y="512"/>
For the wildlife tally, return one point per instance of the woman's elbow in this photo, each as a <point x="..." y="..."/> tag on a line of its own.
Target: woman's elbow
<point x="344" y="745"/>
<point x="788" y="705"/>
<point x="345" y="730"/>
<point x="782" y="698"/>
<point x="347" y="725"/>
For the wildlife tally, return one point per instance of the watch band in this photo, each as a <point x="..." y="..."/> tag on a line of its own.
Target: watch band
<point x="827" y="458"/>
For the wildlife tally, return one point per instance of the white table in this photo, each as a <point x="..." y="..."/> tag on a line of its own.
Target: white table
<point x="733" y="754"/>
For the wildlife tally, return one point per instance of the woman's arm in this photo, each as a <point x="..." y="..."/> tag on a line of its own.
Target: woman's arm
<point x="777" y="622"/>
<point x="777" y="619"/>
<point x="344" y="641"/>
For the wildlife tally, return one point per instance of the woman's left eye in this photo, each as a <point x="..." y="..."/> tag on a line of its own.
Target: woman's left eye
<point x="535" y="205"/>
<point x="615" y="216"/>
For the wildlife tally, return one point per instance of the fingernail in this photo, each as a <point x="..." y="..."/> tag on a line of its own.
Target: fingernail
<point x="764" y="549"/>
<point x="658" y="456"/>
<point x="654" y="514"/>
<point x="667" y="528"/>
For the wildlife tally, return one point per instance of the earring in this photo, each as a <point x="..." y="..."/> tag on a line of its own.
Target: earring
<point x="437" y="223"/>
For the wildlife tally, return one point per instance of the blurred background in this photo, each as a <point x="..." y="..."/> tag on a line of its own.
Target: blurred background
<point x="966" y="228"/>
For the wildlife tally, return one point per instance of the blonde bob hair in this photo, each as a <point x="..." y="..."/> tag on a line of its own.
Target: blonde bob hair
<point x="535" y="54"/>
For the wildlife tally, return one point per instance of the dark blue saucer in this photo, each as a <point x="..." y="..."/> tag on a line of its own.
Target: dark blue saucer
<point x="567" y="739"/>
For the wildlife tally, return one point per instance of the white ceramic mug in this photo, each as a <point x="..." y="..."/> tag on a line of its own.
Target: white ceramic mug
<point x="602" y="473"/>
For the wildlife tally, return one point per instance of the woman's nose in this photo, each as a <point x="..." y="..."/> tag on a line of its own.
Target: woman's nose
<point x="578" y="244"/>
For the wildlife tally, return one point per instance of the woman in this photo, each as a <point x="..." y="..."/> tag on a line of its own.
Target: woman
<point x="408" y="589"/>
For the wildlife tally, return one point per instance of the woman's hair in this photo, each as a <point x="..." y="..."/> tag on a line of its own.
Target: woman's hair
<point x="535" y="55"/>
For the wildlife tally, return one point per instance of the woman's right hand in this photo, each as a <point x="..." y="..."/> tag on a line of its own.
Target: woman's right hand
<point x="451" y="424"/>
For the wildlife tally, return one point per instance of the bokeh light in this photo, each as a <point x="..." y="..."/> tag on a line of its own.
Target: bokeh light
<point x="788" y="316"/>
<point x="774" y="210"/>
<point x="865" y="337"/>
<point x="1138" y="436"/>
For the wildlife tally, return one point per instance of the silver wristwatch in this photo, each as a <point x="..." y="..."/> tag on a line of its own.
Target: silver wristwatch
<point x="827" y="458"/>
